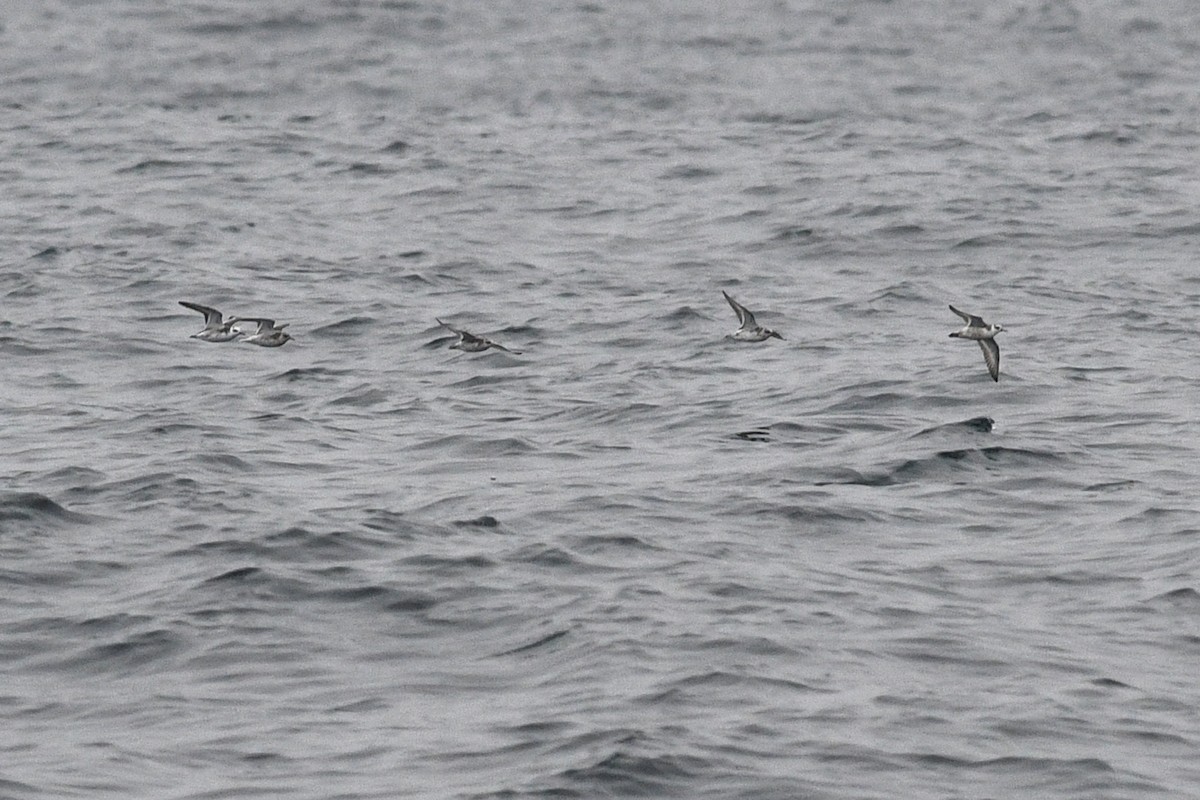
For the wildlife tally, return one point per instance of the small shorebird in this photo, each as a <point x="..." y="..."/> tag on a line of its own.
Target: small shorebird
<point x="268" y="333"/>
<point x="985" y="334"/>
<point x="750" y="331"/>
<point x="470" y="343"/>
<point x="215" y="329"/>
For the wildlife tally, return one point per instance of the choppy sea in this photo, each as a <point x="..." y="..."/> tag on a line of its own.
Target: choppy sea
<point x="638" y="559"/>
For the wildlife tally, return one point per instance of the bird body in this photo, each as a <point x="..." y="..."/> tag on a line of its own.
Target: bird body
<point x="470" y="343"/>
<point x="268" y="334"/>
<point x="985" y="334"/>
<point x="216" y="329"/>
<point x="749" y="330"/>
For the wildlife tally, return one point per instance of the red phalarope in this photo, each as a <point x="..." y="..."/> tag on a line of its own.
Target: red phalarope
<point x="750" y="330"/>
<point x="215" y="328"/>
<point x="985" y="334"/>
<point x="470" y="343"/>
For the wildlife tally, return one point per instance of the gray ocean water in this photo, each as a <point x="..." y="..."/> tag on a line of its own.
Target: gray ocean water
<point x="638" y="559"/>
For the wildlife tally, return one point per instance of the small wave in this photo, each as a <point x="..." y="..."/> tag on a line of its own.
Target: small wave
<point x="384" y="597"/>
<point x="393" y="523"/>
<point x="307" y="374"/>
<point x="974" y="424"/>
<point x="34" y="507"/>
<point x="823" y="513"/>
<point x="239" y="575"/>
<point x="11" y="788"/>
<point x="233" y="547"/>
<point x="1184" y="597"/>
<point x="366" y="168"/>
<point x="129" y="654"/>
<point x="11" y="346"/>
<point x="1110" y="683"/>
<point x="685" y="314"/>
<point x="448" y="564"/>
<point x="477" y="447"/>
<point x="624" y="774"/>
<point x="689" y="172"/>
<point x="1121" y="136"/>
<point x="1027" y="767"/>
<point x="867" y="402"/>
<point x="154" y="164"/>
<point x="600" y="543"/>
<point x="692" y="688"/>
<point x="1112" y="486"/>
<point x="362" y="396"/>
<point x="487" y="522"/>
<point x="223" y="461"/>
<point x="900" y="230"/>
<point x="347" y="327"/>
<point x="985" y="240"/>
<point x="299" y="544"/>
<point x="492" y="358"/>
<point x="779" y="119"/>
<point x="545" y="556"/>
<point x="599" y="413"/>
<point x="542" y="642"/>
<point x="948" y="465"/>
<point x="755" y="435"/>
<point x="792" y="233"/>
<point x="76" y="475"/>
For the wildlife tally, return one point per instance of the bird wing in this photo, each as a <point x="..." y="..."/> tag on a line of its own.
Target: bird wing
<point x="264" y="324"/>
<point x="450" y="327"/>
<point x="971" y="320"/>
<point x="211" y="315"/>
<point x="745" y="318"/>
<point x="991" y="354"/>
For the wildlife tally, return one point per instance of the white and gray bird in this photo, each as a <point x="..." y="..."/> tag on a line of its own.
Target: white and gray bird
<point x="985" y="334"/>
<point x="268" y="334"/>
<point x="750" y="330"/>
<point x="470" y="343"/>
<point x="216" y="329"/>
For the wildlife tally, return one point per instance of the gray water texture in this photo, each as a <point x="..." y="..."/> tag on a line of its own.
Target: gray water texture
<point x="639" y="559"/>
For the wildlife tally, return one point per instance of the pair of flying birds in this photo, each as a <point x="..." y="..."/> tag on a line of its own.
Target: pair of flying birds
<point x="268" y="334"/>
<point x="976" y="328"/>
<point x="218" y="329"/>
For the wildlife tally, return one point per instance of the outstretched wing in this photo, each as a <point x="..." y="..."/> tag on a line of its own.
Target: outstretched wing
<point x="971" y="320"/>
<point x="264" y="324"/>
<point x="745" y="318"/>
<point x="211" y="315"/>
<point x="505" y="349"/>
<point x="451" y="328"/>
<point x="991" y="354"/>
